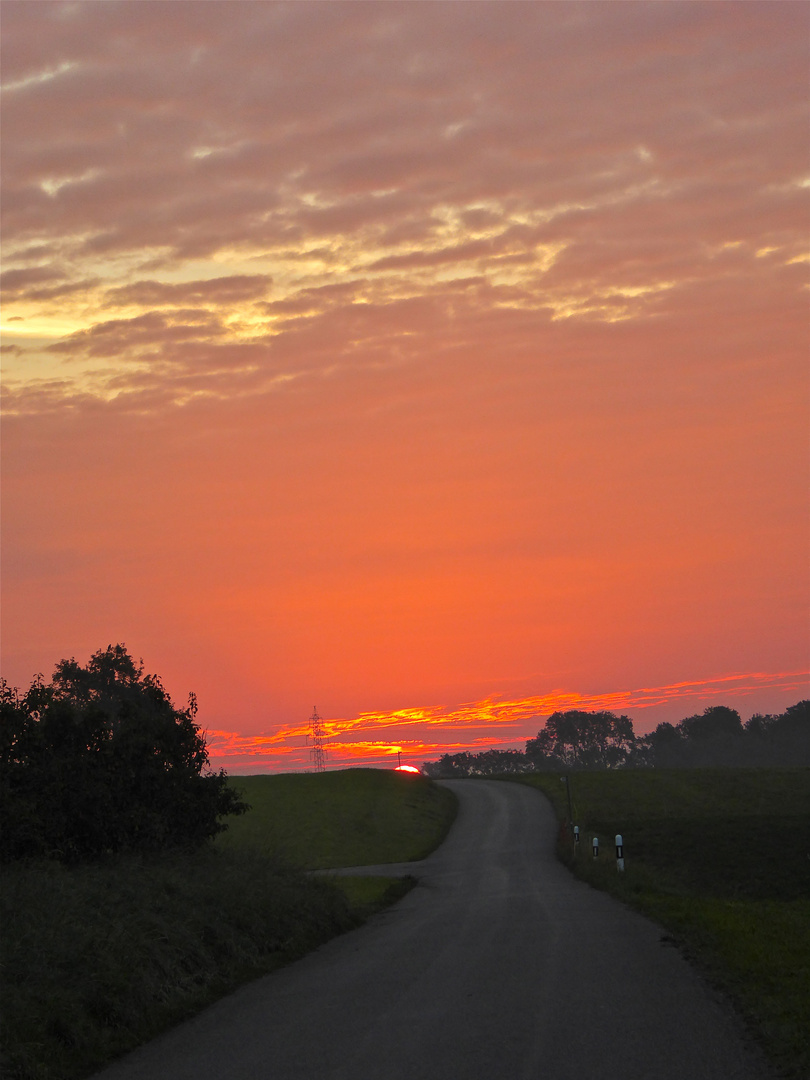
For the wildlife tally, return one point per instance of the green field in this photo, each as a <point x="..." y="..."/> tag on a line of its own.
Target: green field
<point x="99" y="958"/>
<point x="721" y="859"/>
<point x="355" y="817"/>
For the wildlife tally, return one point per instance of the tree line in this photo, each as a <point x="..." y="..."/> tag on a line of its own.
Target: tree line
<point x="577" y="739"/>
<point x="99" y="761"/>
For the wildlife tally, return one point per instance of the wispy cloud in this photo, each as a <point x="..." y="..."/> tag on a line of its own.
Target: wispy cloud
<point x="412" y="157"/>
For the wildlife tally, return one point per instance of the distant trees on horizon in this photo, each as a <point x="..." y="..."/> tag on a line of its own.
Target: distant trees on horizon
<point x="601" y="740"/>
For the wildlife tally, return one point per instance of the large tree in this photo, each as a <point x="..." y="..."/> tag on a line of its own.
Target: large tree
<point x="715" y="722"/>
<point x="577" y="739"/>
<point x="100" y="761"/>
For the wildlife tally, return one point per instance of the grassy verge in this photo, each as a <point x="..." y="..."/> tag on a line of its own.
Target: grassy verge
<point x="721" y="858"/>
<point x="368" y="895"/>
<point x="97" y="959"/>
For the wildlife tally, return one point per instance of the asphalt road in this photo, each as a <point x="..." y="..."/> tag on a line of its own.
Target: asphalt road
<point x="499" y="965"/>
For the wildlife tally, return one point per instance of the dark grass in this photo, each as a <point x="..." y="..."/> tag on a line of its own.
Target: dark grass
<point x="721" y="859"/>
<point x="368" y="895"/>
<point x="98" y="959"/>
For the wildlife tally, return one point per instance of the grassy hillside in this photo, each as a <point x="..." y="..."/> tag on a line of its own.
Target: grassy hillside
<point x="100" y="958"/>
<point x="355" y="817"/>
<point x="721" y="858"/>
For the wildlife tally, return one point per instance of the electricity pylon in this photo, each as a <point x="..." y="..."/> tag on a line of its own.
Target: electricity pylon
<point x="316" y="733"/>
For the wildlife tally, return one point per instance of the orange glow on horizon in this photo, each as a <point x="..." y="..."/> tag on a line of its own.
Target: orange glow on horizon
<point x="508" y="724"/>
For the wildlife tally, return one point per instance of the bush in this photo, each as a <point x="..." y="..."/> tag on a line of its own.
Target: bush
<point x="100" y="761"/>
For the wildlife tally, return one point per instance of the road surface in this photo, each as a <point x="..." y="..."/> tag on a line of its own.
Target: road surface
<point x="499" y="965"/>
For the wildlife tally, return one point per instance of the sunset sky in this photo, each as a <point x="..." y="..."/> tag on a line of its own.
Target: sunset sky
<point x="437" y="364"/>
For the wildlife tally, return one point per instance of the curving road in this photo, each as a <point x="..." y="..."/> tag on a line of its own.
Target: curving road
<point x="500" y="965"/>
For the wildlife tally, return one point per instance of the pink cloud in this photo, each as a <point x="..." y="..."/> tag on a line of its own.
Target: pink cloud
<point x="222" y="290"/>
<point x="18" y="280"/>
<point x="308" y="118"/>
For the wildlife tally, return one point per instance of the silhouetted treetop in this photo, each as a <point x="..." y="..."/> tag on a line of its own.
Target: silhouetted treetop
<point x="100" y="761"/>
<point x="578" y="739"/>
<point x="714" y="722"/>
<point x="598" y="740"/>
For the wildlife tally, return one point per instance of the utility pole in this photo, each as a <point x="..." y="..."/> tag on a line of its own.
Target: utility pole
<point x="567" y="783"/>
<point x="316" y="733"/>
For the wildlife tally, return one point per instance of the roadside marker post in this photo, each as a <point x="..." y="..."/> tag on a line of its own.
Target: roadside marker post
<point x="595" y="846"/>
<point x="576" y="839"/>
<point x="619" y="852"/>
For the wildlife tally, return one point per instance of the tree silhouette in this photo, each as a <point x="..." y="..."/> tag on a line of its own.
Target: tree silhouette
<point x="486" y="763"/>
<point x="577" y="739"/>
<point x="101" y="761"/>
<point x="717" y="737"/>
<point x="715" y="722"/>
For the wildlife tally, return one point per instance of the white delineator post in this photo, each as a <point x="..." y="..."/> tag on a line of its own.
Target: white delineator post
<point x="619" y="852"/>
<point x="595" y="846"/>
<point x="576" y="836"/>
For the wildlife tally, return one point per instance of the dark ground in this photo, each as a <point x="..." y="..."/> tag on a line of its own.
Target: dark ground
<point x="500" y="965"/>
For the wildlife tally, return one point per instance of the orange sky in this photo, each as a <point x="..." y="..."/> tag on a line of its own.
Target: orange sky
<point x="437" y="364"/>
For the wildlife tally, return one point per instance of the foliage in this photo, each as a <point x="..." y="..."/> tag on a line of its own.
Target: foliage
<point x="721" y="858"/>
<point x="589" y="740"/>
<point x="715" y="722"/>
<point x="574" y="739"/>
<point x="485" y="763"/>
<point x="101" y="761"/>
<point x="717" y="737"/>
